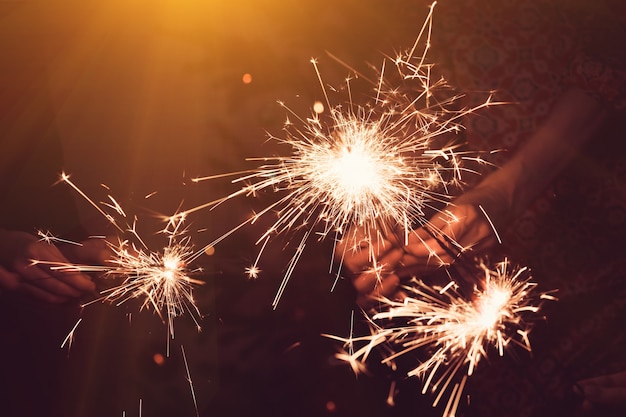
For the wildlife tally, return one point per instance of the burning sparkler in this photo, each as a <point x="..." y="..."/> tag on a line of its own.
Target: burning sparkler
<point x="365" y="170"/>
<point x="454" y="332"/>
<point x="161" y="278"/>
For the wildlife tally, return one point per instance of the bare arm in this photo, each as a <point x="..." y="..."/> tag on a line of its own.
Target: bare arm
<point x="503" y="194"/>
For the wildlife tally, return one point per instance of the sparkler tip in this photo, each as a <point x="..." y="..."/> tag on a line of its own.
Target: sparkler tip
<point x="252" y="272"/>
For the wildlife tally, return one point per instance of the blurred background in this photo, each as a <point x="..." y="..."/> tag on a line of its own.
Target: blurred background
<point x="144" y="95"/>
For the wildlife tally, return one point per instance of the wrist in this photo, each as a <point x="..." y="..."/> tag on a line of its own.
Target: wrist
<point x="495" y="196"/>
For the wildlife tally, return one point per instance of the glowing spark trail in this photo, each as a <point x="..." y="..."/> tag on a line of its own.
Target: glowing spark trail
<point x="161" y="278"/>
<point x="453" y="332"/>
<point x="193" y="393"/>
<point x="362" y="171"/>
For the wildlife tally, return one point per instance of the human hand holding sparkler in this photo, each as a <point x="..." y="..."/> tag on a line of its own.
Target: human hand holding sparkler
<point x="474" y="220"/>
<point x="370" y="266"/>
<point x="462" y="227"/>
<point x="19" y="271"/>
<point x="608" y="390"/>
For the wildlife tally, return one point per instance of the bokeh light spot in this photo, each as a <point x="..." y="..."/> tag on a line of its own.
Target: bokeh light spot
<point x="158" y="358"/>
<point x="331" y="407"/>
<point x="318" y="107"/>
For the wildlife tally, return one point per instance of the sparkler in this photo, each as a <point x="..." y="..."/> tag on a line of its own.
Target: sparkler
<point x="363" y="171"/>
<point x="161" y="278"/>
<point x="453" y="331"/>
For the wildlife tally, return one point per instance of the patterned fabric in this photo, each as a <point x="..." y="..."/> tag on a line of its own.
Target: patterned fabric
<point x="163" y="81"/>
<point x="572" y="236"/>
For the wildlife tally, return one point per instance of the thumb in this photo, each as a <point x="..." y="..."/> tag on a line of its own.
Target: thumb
<point x="8" y="280"/>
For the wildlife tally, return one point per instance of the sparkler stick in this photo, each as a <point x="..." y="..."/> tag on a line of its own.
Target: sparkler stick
<point x="361" y="171"/>
<point x="455" y="332"/>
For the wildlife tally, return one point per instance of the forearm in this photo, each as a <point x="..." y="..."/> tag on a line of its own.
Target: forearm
<point x="574" y="121"/>
<point x="9" y="239"/>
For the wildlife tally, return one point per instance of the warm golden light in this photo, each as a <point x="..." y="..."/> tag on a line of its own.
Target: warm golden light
<point x="209" y="250"/>
<point x="372" y="166"/>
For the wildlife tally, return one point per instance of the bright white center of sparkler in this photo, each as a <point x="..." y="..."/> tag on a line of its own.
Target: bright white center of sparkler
<point x="492" y="307"/>
<point x="356" y="170"/>
<point x="170" y="267"/>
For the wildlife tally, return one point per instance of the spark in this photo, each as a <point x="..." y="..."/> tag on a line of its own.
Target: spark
<point x="161" y="279"/>
<point x="451" y="331"/>
<point x="372" y="168"/>
<point x="48" y="237"/>
<point x="493" y="227"/>
<point x="69" y="339"/>
<point x="193" y="393"/>
<point x="253" y="271"/>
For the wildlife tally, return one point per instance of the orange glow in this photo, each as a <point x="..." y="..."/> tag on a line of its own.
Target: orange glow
<point x="158" y="359"/>
<point x="318" y="107"/>
<point x="247" y="78"/>
<point x="331" y="407"/>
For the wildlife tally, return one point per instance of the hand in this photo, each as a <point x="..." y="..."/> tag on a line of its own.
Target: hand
<point x="26" y="267"/>
<point x="377" y="267"/>
<point x="8" y="280"/>
<point x="456" y="230"/>
<point x="368" y="259"/>
<point x="608" y="390"/>
<point x="95" y="251"/>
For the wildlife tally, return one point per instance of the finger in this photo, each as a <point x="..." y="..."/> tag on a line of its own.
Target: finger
<point x="8" y="280"/>
<point x="400" y="295"/>
<point x="410" y="266"/>
<point x="90" y="251"/>
<point x="78" y="281"/>
<point x="43" y="295"/>
<point x="611" y="380"/>
<point x="369" y="280"/>
<point x="71" y="277"/>
<point x="428" y="251"/>
<point x="357" y="258"/>
<point x="38" y="277"/>
<point x="387" y="288"/>
<point x="605" y="395"/>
